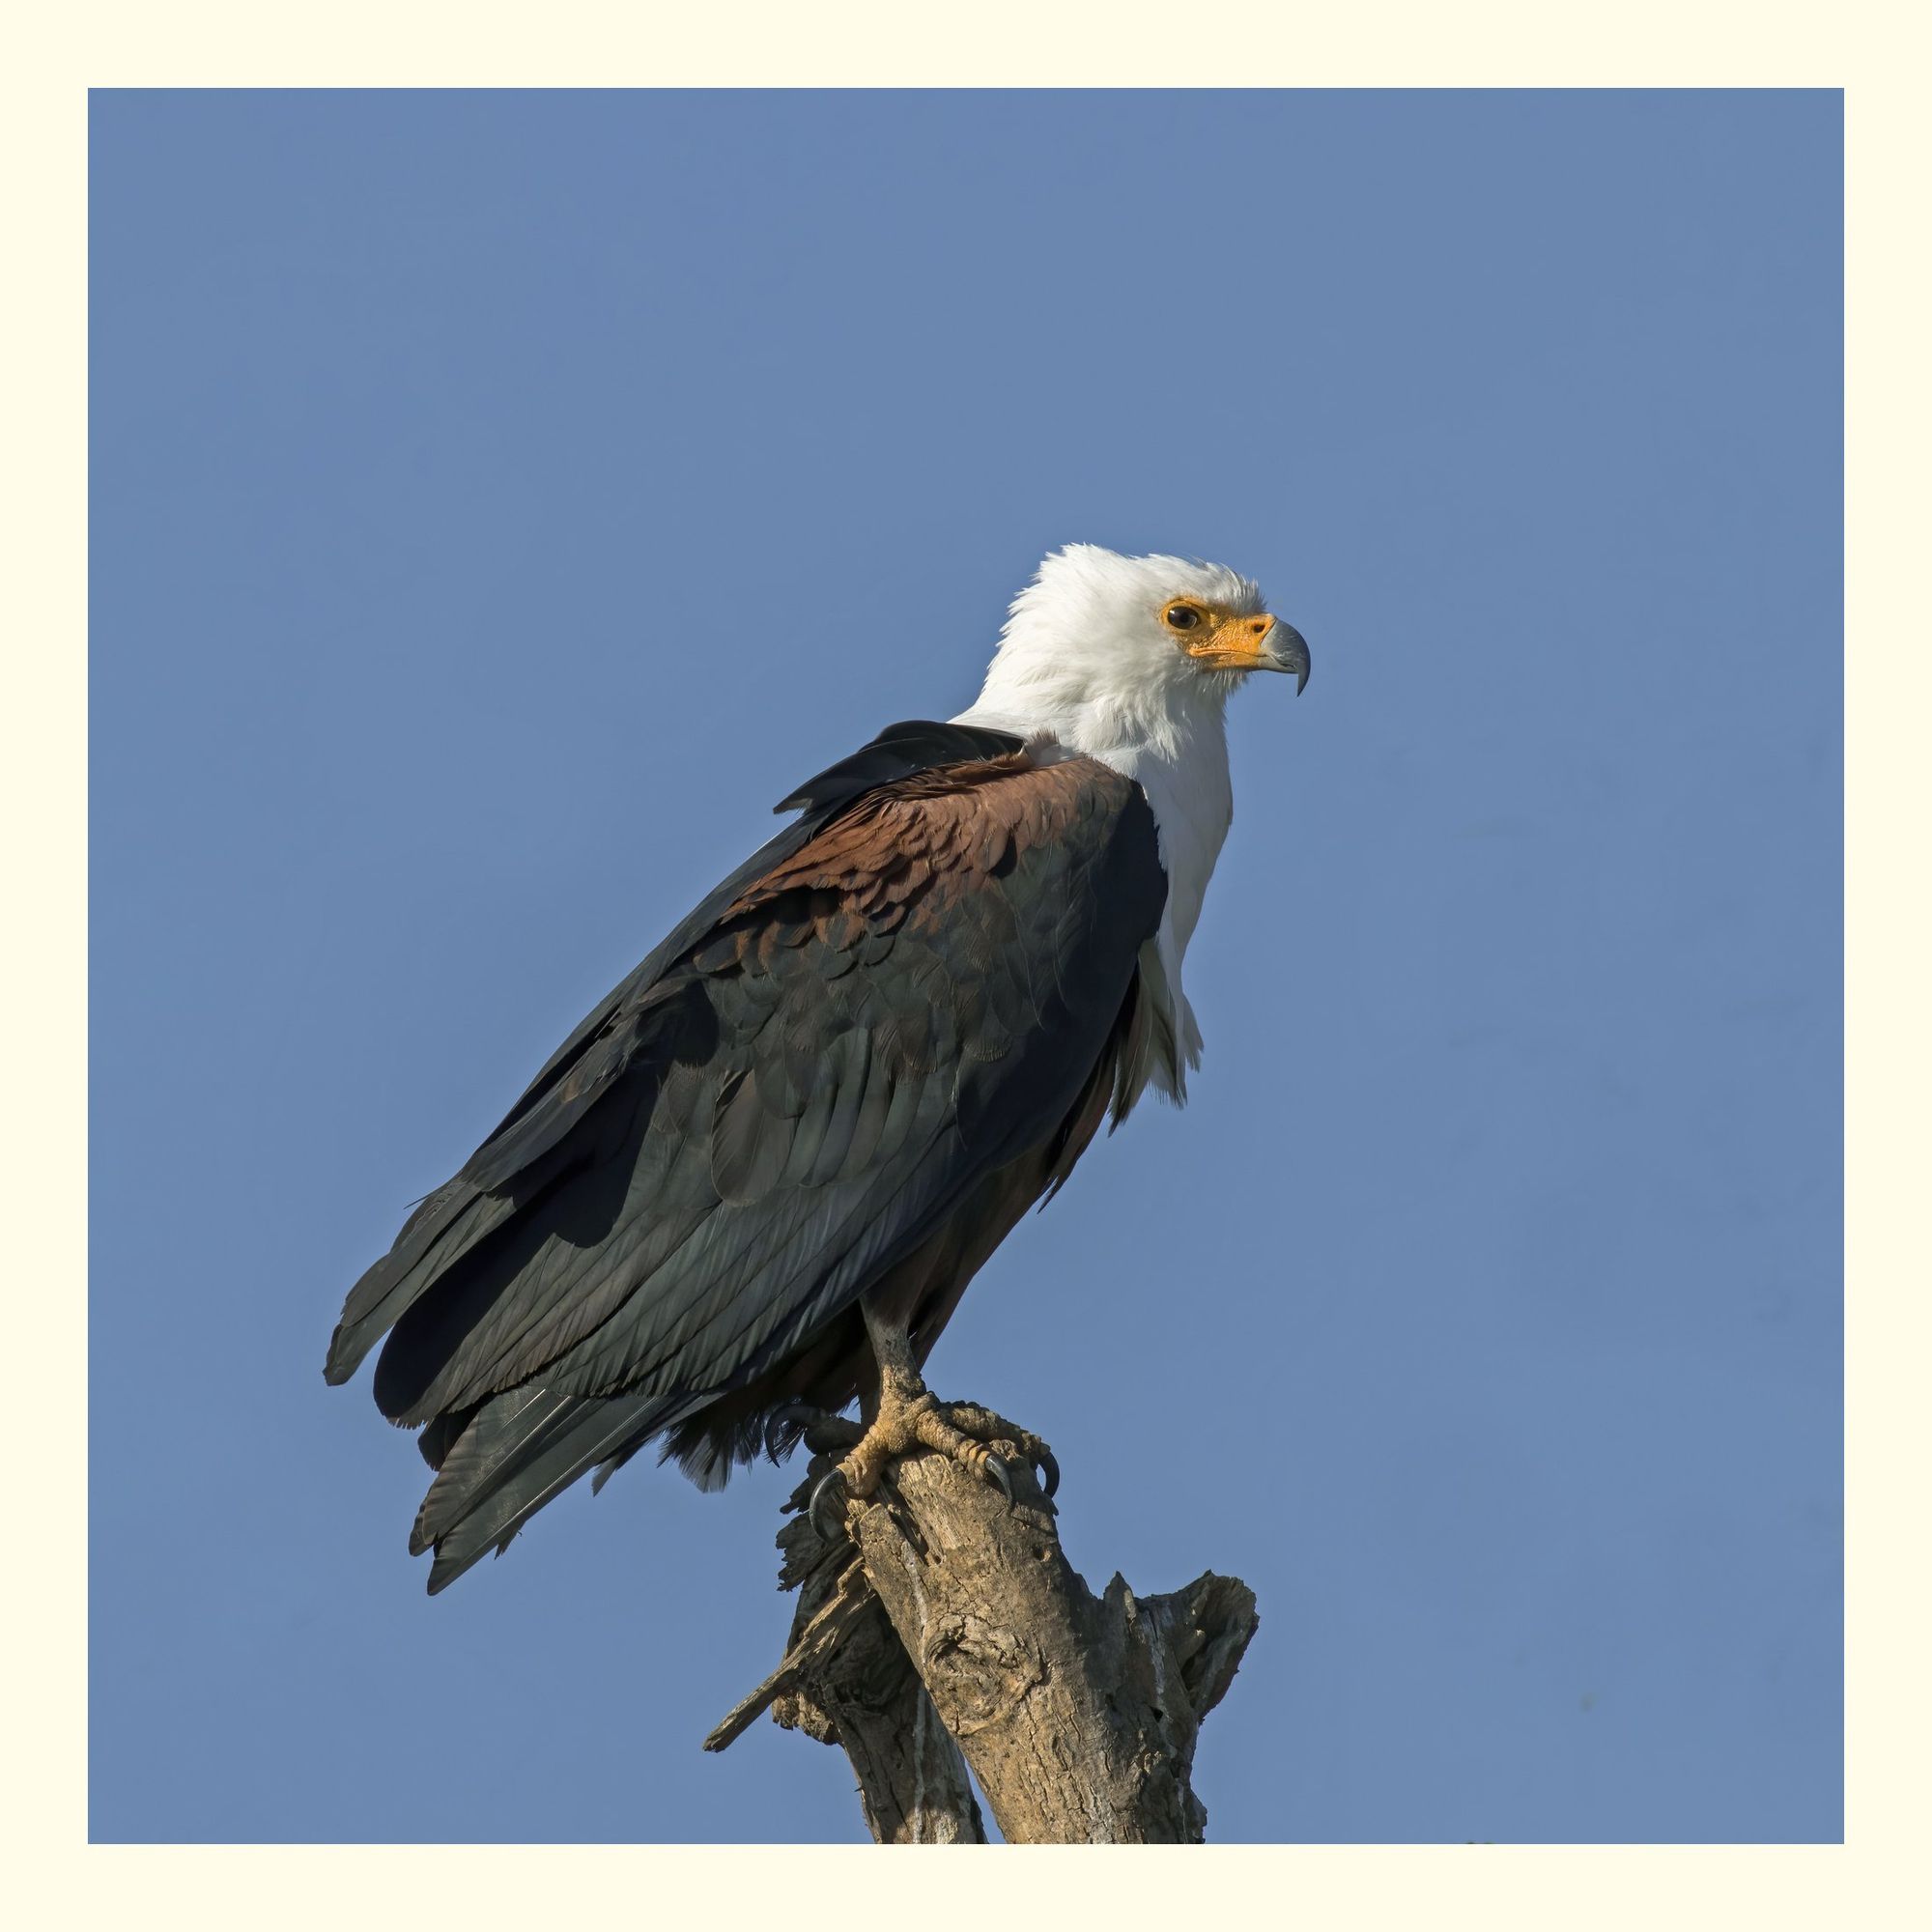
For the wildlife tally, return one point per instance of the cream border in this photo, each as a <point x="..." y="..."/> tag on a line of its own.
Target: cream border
<point x="58" y="1879"/>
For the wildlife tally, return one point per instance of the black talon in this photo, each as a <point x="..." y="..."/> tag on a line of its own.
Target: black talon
<point x="787" y="1411"/>
<point x="774" y="1422"/>
<point x="1049" y="1471"/>
<point x="997" y="1471"/>
<point x="820" y="1428"/>
<point x="830" y="1531"/>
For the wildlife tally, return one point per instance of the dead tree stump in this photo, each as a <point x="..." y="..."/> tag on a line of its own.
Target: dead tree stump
<point x="950" y="1622"/>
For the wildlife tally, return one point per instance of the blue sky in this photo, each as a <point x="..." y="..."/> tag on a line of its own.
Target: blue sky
<point x="500" y="499"/>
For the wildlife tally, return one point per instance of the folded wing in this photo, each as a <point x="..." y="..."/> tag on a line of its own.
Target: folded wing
<point x="906" y="989"/>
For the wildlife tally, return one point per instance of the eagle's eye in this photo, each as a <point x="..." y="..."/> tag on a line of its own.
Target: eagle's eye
<point x="1183" y="616"/>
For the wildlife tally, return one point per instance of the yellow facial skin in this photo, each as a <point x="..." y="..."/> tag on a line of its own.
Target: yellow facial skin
<point x="1215" y="639"/>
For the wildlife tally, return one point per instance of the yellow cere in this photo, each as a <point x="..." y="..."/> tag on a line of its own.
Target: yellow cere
<point x="1221" y="638"/>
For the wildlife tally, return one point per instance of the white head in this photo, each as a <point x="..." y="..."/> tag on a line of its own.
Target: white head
<point x="1133" y="646"/>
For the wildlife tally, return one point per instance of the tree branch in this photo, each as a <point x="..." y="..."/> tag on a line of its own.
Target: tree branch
<point x="952" y="1621"/>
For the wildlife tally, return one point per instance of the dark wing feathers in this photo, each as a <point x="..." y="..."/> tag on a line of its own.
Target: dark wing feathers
<point x="903" y="990"/>
<point x="392" y="1283"/>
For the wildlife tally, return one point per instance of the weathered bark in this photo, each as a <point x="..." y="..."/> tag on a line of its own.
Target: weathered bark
<point x="952" y="1621"/>
<point x="845" y="1679"/>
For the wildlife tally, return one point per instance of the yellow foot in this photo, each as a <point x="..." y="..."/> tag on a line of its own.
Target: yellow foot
<point x="962" y="1430"/>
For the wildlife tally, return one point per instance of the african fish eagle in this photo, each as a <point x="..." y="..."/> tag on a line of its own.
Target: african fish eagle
<point x="751" y="1188"/>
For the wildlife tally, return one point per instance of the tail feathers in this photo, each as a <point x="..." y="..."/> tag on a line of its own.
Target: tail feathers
<point x="503" y="1436"/>
<point x="440" y="1433"/>
<point x="522" y="1449"/>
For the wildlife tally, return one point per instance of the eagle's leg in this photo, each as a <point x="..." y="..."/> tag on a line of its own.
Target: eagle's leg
<point x="908" y="1417"/>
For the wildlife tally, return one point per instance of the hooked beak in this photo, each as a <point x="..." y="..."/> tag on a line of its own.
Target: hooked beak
<point x="1257" y="641"/>
<point x="1285" y="648"/>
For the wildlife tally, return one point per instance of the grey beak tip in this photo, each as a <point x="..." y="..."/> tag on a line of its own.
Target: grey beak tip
<point x="1291" y="653"/>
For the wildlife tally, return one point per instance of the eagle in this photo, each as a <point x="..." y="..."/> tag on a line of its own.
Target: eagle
<point x="751" y="1188"/>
